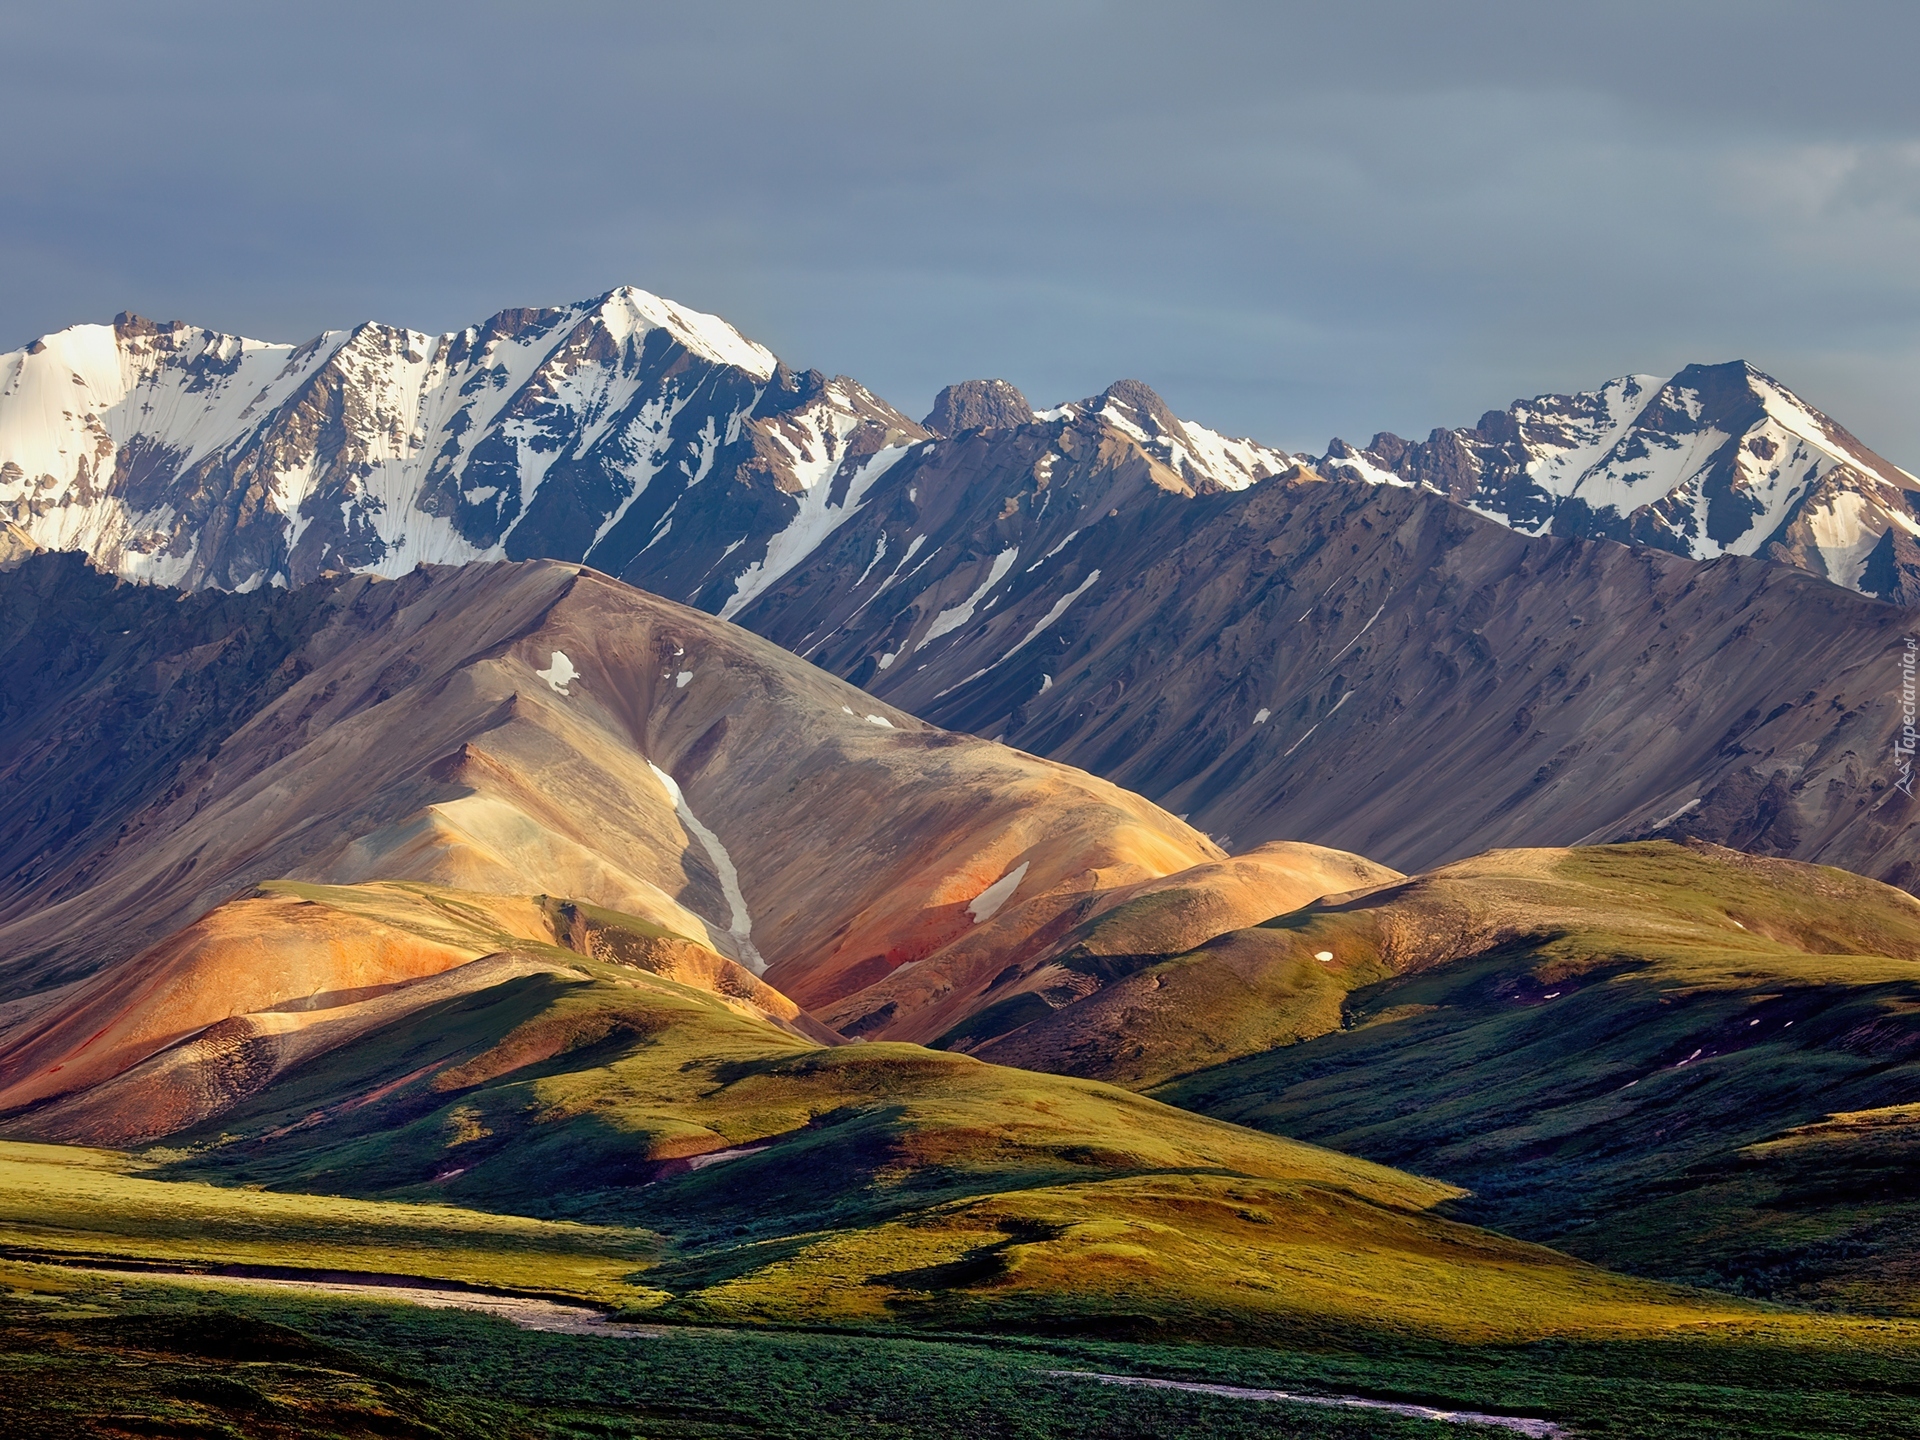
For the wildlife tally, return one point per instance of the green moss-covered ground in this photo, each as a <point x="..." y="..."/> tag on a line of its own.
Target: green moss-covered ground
<point x="82" y="1356"/>
<point x="1681" y="1062"/>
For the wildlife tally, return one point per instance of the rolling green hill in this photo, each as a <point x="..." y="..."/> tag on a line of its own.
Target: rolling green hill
<point x="1681" y="1061"/>
<point x="587" y="1125"/>
<point x="778" y="1179"/>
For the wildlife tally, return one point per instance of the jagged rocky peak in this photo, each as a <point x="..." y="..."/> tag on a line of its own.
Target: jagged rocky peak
<point x="1206" y="459"/>
<point x="978" y="405"/>
<point x="588" y="431"/>
<point x="1717" y="460"/>
<point x="1136" y="403"/>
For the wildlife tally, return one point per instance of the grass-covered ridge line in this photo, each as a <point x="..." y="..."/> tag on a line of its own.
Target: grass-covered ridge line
<point x="1678" y="1060"/>
<point x="64" y="1200"/>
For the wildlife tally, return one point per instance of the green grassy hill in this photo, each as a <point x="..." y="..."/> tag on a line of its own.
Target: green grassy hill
<point x="1680" y="1061"/>
<point x="594" y="1128"/>
<point x="771" y="1178"/>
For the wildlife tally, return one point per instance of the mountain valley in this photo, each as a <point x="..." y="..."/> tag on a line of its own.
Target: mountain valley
<point x="578" y="811"/>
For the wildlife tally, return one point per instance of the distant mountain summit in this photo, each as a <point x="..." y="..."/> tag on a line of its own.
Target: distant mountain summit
<point x="1718" y="460"/>
<point x="193" y="458"/>
<point x="978" y="405"/>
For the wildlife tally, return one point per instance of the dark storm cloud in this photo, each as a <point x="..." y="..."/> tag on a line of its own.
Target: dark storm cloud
<point x="1293" y="220"/>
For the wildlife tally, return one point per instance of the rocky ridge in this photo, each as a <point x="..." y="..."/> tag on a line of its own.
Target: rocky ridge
<point x="1717" y="460"/>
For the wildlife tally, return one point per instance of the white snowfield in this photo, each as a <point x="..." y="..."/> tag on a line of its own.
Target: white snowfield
<point x="739" y="921"/>
<point x="984" y="906"/>
<point x="183" y="456"/>
<point x="819" y="516"/>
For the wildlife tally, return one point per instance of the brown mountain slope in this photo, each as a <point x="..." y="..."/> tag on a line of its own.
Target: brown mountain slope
<point x="991" y="981"/>
<point x="1368" y="667"/>
<point x="510" y="729"/>
<point x="223" y="1009"/>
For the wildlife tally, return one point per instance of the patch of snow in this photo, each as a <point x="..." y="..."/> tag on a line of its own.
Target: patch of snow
<point x="984" y="906"/>
<point x="1666" y="820"/>
<point x="815" y="519"/>
<point x="1356" y="639"/>
<point x="880" y="720"/>
<point x="1362" y="468"/>
<point x="680" y="680"/>
<point x="879" y="554"/>
<point x="1059" y="609"/>
<point x="1117" y="417"/>
<point x="1316" y="724"/>
<point x="706" y="335"/>
<point x="952" y="619"/>
<point x="1053" y="552"/>
<point x="1236" y="464"/>
<point x="1323" y="955"/>
<point x="1263" y="716"/>
<point x="968" y="681"/>
<point x="739" y="922"/>
<point x="559" y="673"/>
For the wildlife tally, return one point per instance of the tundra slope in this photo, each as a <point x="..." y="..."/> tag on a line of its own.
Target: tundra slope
<point x="509" y="730"/>
<point x="1691" y="1063"/>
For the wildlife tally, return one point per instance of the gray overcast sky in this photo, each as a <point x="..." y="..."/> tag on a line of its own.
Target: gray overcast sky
<point x="1293" y="220"/>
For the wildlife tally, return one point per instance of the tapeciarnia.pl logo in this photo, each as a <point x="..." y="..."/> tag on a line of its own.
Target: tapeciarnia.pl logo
<point x="1903" y="747"/>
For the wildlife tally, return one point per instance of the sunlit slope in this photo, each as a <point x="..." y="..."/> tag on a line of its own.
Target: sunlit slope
<point x="506" y="729"/>
<point x="793" y="1182"/>
<point x="1686" y="1061"/>
<point x="73" y="1202"/>
<point x="259" y="985"/>
<point x="1001" y="976"/>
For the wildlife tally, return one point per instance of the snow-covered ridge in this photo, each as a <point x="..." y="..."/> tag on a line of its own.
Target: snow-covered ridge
<point x="659" y="444"/>
<point x="190" y="457"/>
<point x="1717" y="460"/>
<point x="1205" y="458"/>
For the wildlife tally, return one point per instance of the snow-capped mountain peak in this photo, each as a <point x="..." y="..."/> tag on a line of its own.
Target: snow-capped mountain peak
<point x="189" y="457"/>
<point x="1718" y="460"/>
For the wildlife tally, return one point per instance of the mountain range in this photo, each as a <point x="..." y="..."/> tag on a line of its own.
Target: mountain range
<point x="1717" y="460"/>
<point x="1213" y="623"/>
<point x="588" y="431"/>
<point x="622" y="822"/>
